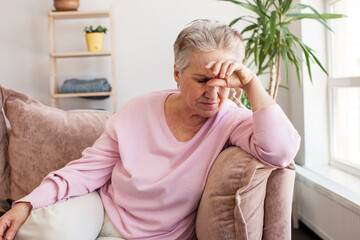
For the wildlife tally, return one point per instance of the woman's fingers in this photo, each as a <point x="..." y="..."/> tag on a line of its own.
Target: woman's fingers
<point x="222" y="68"/>
<point x="210" y="65"/>
<point x="232" y="67"/>
<point x="217" y="67"/>
<point x="229" y="73"/>
<point x="14" y="227"/>
<point x="11" y="221"/>
<point x="217" y="82"/>
<point x="225" y="69"/>
<point x="3" y="227"/>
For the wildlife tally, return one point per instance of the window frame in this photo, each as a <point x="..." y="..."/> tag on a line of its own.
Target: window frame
<point x="333" y="83"/>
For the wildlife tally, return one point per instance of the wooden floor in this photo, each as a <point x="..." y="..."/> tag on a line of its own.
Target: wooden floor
<point x="304" y="233"/>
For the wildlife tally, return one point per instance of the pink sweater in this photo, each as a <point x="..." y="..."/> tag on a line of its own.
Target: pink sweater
<point x="149" y="182"/>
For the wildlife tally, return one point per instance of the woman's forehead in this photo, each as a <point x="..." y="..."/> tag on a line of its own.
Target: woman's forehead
<point x="200" y="59"/>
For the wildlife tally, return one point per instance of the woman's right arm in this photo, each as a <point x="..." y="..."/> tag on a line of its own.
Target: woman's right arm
<point x="11" y="221"/>
<point x="79" y="177"/>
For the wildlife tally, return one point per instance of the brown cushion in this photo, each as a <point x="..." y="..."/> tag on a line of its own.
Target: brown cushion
<point x="4" y="169"/>
<point x="278" y="203"/>
<point x="232" y="205"/>
<point x="44" y="139"/>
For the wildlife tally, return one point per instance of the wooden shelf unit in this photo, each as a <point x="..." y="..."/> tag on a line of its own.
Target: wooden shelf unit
<point x="59" y="15"/>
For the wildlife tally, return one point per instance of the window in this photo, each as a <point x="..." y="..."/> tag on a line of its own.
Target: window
<point x="344" y="85"/>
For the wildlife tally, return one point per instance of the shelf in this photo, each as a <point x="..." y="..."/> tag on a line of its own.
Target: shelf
<point x="79" y="54"/>
<point x="78" y="15"/>
<point x="53" y="16"/>
<point x="87" y="94"/>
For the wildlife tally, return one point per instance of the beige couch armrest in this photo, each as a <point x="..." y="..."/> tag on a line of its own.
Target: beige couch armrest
<point x="278" y="203"/>
<point x="232" y="205"/>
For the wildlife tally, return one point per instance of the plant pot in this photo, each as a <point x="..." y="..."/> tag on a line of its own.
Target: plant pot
<point x="66" y="5"/>
<point x="94" y="41"/>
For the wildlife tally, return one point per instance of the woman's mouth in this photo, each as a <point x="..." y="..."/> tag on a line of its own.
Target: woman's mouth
<point x="209" y="104"/>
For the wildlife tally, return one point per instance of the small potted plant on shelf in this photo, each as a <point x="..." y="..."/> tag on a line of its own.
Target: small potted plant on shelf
<point x="95" y="37"/>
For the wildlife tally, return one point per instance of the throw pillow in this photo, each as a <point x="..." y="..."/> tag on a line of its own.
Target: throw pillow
<point x="278" y="203"/>
<point x="4" y="167"/>
<point x="232" y="205"/>
<point x="43" y="139"/>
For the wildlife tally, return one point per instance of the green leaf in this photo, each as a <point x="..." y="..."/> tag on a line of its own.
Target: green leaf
<point x="273" y="19"/>
<point x="283" y="86"/>
<point x="268" y="3"/>
<point x="247" y="6"/>
<point x="297" y="63"/>
<point x="259" y="4"/>
<point x="332" y="15"/>
<point x="307" y="59"/>
<point x="318" y="62"/>
<point x="267" y="44"/>
<point x="262" y="56"/>
<point x="322" y="16"/>
<point x="243" y="18"/>
<point x="286" y="62"/>
<point x="256" y="52"/>
<point x="286" y="6"/>
<point x="298" y="16"/>
<point x="284" y="31"/>
<point x="249" y="28"/>
<point x="272" y="55"/>
<point x="313" y="10"/>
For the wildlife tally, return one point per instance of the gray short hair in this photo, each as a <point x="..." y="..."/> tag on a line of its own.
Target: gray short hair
<point x="206" y="36"/>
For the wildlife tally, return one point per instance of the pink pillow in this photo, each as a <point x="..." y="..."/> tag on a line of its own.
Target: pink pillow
<point x="44" y="139"/>
<point x="232" y="205"/>
<point x="4" y="169"/>
<point x="278" y="203"/>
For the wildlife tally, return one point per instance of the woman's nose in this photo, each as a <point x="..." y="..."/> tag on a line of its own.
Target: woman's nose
<point x="211" y="92"/>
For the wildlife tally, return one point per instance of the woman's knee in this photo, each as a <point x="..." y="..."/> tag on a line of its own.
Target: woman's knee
<point x="77" y="218"/>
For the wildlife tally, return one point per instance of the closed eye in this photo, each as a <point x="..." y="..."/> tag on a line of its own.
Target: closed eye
<point x="202" y="80"/>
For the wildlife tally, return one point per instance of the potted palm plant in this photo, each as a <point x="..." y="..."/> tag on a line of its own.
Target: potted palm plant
<point x="95" y="37"/>
<point x="270" y="41"/>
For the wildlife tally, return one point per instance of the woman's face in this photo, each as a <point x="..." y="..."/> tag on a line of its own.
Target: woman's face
<point x="202" y="100"/>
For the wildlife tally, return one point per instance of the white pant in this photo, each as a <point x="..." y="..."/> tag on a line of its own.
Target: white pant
<point x="79" y="218"/>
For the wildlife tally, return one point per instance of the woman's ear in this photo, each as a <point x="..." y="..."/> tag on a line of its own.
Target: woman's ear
<point x="176" y="75"/>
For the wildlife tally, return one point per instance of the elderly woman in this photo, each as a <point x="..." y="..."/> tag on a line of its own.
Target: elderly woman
<point x="151" y="163"/>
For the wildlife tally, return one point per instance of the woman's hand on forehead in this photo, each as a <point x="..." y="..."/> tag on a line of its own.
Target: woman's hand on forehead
<point x="229" y="73"/>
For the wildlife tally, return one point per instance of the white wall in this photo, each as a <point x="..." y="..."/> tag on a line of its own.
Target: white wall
<point x="309" y="105"/>
<point x="145" y="31"/>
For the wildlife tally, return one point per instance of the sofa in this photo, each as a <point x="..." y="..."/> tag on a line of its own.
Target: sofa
<point x="243" y="199"/>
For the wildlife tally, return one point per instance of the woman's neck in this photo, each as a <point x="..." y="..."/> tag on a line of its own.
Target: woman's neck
<point x="182" y="122"/>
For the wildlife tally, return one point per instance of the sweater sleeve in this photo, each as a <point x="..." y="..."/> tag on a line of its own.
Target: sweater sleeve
<point x="78" y="177"/>
<point x="269" y="136"/>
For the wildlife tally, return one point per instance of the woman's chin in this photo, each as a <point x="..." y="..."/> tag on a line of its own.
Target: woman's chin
<point x="208" y="113"/>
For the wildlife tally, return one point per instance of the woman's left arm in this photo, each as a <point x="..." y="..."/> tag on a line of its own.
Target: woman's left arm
<point x="233" y="74"/>
<point x="268" y="134"/>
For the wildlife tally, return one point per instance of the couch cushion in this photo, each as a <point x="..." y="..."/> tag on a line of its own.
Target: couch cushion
<point x="232" y="205"/>
<point x="4" y="169"/>
<point x="278" y="203"/>
<point x="79" y="218"/>
<point x="44" y="139"/>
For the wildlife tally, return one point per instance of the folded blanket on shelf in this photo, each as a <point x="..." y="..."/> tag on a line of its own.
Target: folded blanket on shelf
<point x="75" y="85"/>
